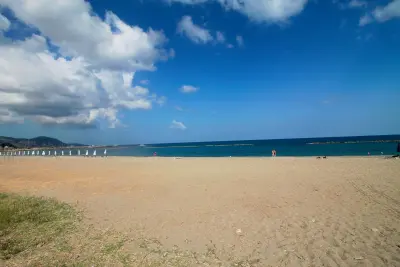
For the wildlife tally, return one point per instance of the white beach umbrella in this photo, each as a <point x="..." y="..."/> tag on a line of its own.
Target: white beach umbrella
<point x="94" y="153"/>
<point x="87" y="153"/>
<point x="79" y="152"/>
<point x="62" y="152"/>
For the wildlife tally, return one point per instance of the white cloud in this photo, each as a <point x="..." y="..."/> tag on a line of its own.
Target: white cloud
<point x="188" y="89"/>
<point x="239" y="40"/>
<point x="357" y="4"/>
<point x="4" y="23"/>
<point x="382" y="14"/>
<point x="177" y="125"/>
<point x="351" y="4"/>
<point x="220" y="37"/>
<point x="161" y="100"/>
<point x="229" y="45"/>
<point x="72" y="26"/>
<point x="89" y="78"/>
<point x="272" y="11"/>
<point x="178" y="108"/>
<point x="364" y="20"/>
<point x="194" y="32"/>
<point x="390" y="11"/>
<point x="145" y="82"/>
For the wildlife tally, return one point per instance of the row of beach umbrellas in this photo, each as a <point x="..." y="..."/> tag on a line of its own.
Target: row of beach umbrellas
<point x="49" y="153"/>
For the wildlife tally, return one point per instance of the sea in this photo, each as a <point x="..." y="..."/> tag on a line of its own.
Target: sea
<point x="303" y="147"/>
<point x="378" y="145"/>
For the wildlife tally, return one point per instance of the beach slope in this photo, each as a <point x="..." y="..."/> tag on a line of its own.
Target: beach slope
<point x="277" y="211"/>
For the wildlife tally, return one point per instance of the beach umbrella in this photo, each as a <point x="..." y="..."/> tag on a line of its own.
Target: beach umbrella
<point x="70" y="152"/>
<point x="94" y="153"/>
<point x="62" y="152"/>
<point x="79" y="152"/>
<point x="105" y="152"/>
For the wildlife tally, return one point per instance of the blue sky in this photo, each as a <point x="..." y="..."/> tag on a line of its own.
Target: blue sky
<point x="206" y="71"/>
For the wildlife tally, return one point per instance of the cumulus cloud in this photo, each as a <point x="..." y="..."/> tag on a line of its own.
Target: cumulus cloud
<point x="194" y="32"/>
<point x="271" y="11"/>
<point x="177" y="125"/>
<point x="187" y="89"/>
<point x="77" y="69"/>
<point x="382" y="14"/>
<point x="4" y="23"/>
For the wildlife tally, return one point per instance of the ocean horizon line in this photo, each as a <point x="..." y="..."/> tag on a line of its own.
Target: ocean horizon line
<point x="245" y="141"/>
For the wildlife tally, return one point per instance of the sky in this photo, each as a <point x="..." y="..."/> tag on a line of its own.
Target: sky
<point x="155" y="71"/>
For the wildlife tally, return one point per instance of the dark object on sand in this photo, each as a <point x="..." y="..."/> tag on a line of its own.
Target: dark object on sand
<point x="324" y="157"/>
<point x="318" y="157"/>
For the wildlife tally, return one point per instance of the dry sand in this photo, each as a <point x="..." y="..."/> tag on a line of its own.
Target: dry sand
<point x="282" y="211"/>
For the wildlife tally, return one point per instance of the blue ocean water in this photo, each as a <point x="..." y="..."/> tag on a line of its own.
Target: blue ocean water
<point x="254" y="148"/>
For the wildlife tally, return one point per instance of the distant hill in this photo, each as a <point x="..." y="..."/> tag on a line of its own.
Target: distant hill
<point x="40" y="141"/>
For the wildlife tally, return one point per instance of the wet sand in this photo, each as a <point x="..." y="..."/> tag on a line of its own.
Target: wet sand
<point x="282" y="211"/>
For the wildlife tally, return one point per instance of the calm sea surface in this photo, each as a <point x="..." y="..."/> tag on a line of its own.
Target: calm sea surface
<point x="251" y="148"/>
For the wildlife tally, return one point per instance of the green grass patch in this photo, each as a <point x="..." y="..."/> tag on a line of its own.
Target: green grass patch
<point x="28" y="222"/>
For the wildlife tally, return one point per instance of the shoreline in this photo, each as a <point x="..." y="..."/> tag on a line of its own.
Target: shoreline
<point x="206" y="157"/>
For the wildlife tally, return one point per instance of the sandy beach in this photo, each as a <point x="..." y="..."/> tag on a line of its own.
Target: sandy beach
<point x="280" y="211"/>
